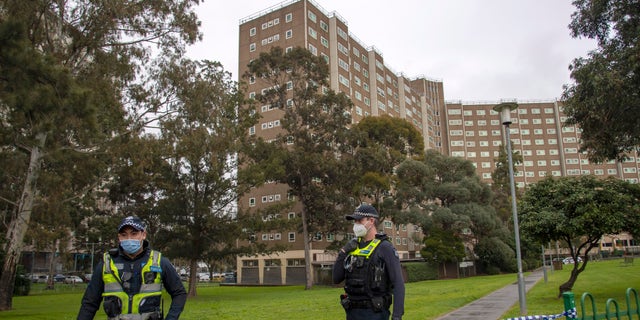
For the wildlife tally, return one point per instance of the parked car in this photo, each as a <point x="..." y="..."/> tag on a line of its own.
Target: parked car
<point x="73" y="279"/>
<point x="59" y="278"/>
<point x="87" y="277"/>
<point x="569" y="260"/>
<point x="42" y="278"/>
<point x="229" y="277"/>
<point x="204" y="277"/>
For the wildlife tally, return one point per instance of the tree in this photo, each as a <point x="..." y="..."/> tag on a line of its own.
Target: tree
<point x="314" y="132"/>
<point x="578" y="211"/>
<point x="444" y="193"/>
<point x="65" y="71"/>
<point x="605" y="98"/>
<point x="380" y="144"/>
<point x="188" y="177"/>
<point x="501" y="185"/>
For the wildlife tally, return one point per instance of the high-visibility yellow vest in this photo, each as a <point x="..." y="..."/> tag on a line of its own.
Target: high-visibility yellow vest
<point x="366" y="251"/>
<point x="113" y="282"/>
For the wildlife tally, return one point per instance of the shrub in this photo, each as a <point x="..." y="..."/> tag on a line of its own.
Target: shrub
<point x="420" y="271"/>
<point x="22" y="284"/>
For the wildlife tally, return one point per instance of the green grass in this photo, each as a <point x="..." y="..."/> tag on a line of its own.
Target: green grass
<point x="424" y="300"/>
<point x="603" y="279"/>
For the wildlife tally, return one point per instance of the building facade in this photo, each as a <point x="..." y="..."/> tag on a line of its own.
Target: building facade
<point x="469" y="130"/>
<point x="360" y="72"/>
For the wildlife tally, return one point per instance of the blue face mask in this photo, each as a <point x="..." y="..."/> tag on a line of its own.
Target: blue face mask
<point x="131" y="246"/>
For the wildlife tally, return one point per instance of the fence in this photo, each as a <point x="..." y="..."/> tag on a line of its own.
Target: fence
<point x="612" y="308"/>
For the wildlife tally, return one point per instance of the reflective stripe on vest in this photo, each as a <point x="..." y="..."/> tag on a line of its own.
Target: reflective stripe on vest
<point x="113" y="282"/>
<point x="366" y="251"/>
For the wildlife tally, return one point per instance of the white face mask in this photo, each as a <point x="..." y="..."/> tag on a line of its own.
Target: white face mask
<point x="360" y="230"/>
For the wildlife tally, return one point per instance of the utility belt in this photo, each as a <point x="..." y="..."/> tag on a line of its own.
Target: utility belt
<point x="377" y="304"/>
<point x="156" y="315"/>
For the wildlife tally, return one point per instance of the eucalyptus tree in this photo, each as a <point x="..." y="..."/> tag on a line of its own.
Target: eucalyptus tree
<point x="446" y="197"/>
<point x="313" y="138"/>
<point x="379" y="145"/>
<point x="579" y="211"/>
<point x="604" y="100"/>
<point x="187" y="177"/>
<point x="67" y="88"/>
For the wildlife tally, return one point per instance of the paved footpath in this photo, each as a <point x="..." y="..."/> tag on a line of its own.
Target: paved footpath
<point x="494" y="305"/>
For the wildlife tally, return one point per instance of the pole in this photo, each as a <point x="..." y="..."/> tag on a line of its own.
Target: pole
<point x="516" y="229"/>
<point x="92" y="244"/>
<point x="544" y="265"/>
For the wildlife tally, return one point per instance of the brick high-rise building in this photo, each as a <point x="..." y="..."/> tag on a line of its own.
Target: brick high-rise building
<point x="360" y="72"/>
<point x="548" y="146"/>
<point x="469" y="130"/>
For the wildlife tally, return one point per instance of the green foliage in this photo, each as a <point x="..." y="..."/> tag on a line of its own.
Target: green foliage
<point x="578" y="211"/>
<point x="379" y="145"/>
<point x="603" y="101"/>
<point x="183" y="181"/>
<point x="494" y="254"/>
<point x="68" y="94"/>
<point x="447" y="199"/>
<point x="442" y="246"/>
<point x="313" y="138"/>
<point x="420" y="271"/>
<point x="22" y="283"/>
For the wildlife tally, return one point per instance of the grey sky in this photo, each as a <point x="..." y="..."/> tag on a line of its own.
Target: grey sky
<point x="482" y="50"/>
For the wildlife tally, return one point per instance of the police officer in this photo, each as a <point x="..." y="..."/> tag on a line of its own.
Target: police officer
<point x="130" y="280"/>
<point x="370" y="266"/>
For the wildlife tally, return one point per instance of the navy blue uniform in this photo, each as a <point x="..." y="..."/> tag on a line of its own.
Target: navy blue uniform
<point x="387" y="254"/>
<point x="170" y="280"/>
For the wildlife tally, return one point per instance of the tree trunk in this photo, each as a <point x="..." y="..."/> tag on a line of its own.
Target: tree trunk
<point x="307" y="251"/>
<point x="193" y="278"/>
<point x="567" y="286"/>
<point x="18" y="226"/>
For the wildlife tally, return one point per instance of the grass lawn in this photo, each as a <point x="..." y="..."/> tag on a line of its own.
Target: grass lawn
<point x="424" y="300"/>
<point x="603" y="279"/>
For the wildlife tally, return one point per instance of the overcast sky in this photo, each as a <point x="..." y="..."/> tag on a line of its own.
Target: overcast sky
<point x="482" y="50"/>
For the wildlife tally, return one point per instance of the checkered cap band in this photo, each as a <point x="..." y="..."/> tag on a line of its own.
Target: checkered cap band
<point x="132" y="221"/>
<point x="363" y="211"/>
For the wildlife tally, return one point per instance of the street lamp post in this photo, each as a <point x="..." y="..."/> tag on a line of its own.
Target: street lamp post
<point x="505" y="116"/>
<point x="92" y="250"/>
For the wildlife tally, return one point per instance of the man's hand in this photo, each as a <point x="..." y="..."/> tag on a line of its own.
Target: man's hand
<point x="350" y="246"/>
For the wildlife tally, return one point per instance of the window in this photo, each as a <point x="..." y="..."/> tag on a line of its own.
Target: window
<point x="342" y="34"/>
<point x="313" y="49"/>
<point x="292" y="237"/>
<point x="312" y="16"/>
<point x="289" y="34"/>
<point x="324" y="26"/>
<point x="252" y="32"/>
<point x="288" y="17"/>
<point x="324" y="42"/>
<point x="252" y="47"/>
<point x="313" y="33"/>
<point x="252" y="202"/>
<point x="343" y="64"/>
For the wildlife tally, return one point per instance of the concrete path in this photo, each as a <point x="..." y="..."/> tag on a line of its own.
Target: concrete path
<point x="494" y="305"/>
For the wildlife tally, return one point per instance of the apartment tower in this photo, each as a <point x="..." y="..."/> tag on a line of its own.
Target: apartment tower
<point x="468" y="130"/>
<point x="360" y="72"/>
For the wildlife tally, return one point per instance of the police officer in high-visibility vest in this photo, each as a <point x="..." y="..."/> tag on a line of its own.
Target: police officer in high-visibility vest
<point x="370" y="267"/>
<point x="130" y="280"/>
